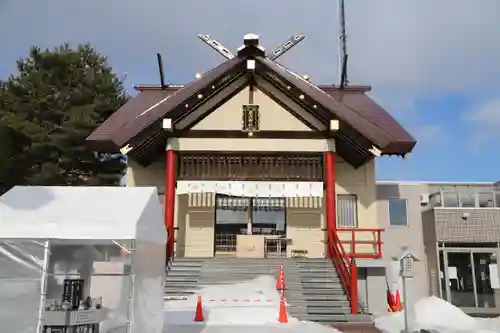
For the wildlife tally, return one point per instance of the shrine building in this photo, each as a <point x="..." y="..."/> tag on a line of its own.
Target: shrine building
<point x="254" y="160"/>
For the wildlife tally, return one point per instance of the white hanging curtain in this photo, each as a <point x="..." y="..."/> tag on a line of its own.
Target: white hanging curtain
<point x="253" y="189"/>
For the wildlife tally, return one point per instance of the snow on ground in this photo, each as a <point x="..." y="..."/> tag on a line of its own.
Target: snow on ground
<point x="436" y="315"/>
<point x="432" y="314"/>
<point x="240" y="307"/>
<point x="226" y="310"/>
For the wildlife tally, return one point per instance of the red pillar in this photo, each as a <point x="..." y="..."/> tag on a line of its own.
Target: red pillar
<point x="330" y="203"/>
<point x="170" y="161"/>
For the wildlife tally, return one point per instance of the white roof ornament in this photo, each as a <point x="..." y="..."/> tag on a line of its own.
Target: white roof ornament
<point x="286" y="46"/>
<point x="221" y="49"/>
<point x="251" y="39"/>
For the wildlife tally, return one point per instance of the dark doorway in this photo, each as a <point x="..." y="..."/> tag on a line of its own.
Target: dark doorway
<point x="249" y="215"/>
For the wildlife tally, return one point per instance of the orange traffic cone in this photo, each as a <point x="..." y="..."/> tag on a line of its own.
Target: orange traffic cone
<point x="280" y="283"/>
<point x="198" y="316"/>
<point x="398" y="305"/>
<point x="283" y="315"/>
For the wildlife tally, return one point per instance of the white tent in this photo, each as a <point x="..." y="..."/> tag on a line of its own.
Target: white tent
<point x="113" y="237"/>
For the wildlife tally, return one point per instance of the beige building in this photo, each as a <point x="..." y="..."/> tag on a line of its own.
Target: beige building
<point x="256" y="161"/>
<point x="454" y="230"/>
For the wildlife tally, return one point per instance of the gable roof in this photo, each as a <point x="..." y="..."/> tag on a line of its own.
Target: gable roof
<point x="363" y="123"/>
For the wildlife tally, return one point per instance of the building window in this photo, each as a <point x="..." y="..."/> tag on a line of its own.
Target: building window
<point x="450" y="197"/>
<point x="466" y="196"/>
<point x="497" y="198"/>
<point x="435" y="200"/>
<point x="485" y="199"/>
<point x="347" y="210"/>
<point x="398" y="215"/>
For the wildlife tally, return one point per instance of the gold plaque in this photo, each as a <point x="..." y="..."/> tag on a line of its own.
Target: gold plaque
<point x="250" y="118"/>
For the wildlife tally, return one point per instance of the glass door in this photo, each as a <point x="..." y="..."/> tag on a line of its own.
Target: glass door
<point x="470" y="278"/>
<point x="459" y="279"/>
<point x="486" y="275"/>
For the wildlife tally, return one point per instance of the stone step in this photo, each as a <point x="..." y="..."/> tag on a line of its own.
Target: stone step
<point x="176" y="293"/>
<point x="303" y="267"/>
<point x="182" y="285"/>
<point x="324" y="304"/>
<point x="318" y="279"/>
<point x="242" y="261"/>
<point x="246" y="261"/>
<point x="291" y="281"/>
<point x="322" y="287"/>
<point x="179" y="268"/>
<point x="236" y="266"/>
<point x="311" y="274"/>
<point x="300" y="295"/>
<point x="322" y="292"/>
<point x="307" y="271"/>
<point x="235" y="270"/>
<point x="183" y="274"/>
<point x="187" y="264"/>
<point x="325" y="318"/>
<point x="323" y="310"/>
<point x="182" y="279"/>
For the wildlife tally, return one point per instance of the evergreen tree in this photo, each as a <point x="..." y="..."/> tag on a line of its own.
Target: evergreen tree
<point x="57" y="98"/>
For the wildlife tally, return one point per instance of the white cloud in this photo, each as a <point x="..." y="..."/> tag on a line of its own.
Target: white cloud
<point x="484" y="121"/>
<point x="404" y="49"/>
<point x="428" y="132"/>
<point x="414" y="45"/>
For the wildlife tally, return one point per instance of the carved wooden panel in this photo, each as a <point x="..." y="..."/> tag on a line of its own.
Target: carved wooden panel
<point x="290" y="167"/>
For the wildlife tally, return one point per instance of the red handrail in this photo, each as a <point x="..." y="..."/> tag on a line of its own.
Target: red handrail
<point x="345" y="263"/>
<point x="347" y="271"/>
<point x="376" y="242"/>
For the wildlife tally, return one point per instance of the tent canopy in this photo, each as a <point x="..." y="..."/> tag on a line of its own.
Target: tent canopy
<point x="71" y="213"/>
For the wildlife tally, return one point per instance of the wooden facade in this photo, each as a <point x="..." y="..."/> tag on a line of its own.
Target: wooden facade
<point x="241" y="166"/>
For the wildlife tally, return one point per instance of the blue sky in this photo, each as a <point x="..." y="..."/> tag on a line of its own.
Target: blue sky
<point x="433" y="64"/>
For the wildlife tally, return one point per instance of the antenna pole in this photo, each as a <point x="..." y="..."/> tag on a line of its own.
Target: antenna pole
<point x="342" y="44"/>
<point x="160" y="70"/>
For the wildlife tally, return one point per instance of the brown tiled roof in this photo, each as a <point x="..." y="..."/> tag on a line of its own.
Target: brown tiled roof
<point x="357" y="100"/>
<point x="131" y="119"/>
<point x="102" y="137"/>
<point x="356" y="109"/>
<point x="351" y="106"/>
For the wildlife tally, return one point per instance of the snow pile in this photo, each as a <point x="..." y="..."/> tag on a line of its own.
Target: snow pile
<point x="233" y="314"/>
<point x="436" y="315"/>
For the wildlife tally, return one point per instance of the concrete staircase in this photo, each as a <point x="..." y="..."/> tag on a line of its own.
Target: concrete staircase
<point x="314" y="291"/>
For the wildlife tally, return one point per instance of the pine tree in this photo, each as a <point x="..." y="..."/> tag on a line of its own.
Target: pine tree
<point x="57" y="98"/>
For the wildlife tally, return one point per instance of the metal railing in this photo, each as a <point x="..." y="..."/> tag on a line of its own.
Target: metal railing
<point x="346" y="269"/>
<point x="362" y="243"/>
<point x="345" y="261"/>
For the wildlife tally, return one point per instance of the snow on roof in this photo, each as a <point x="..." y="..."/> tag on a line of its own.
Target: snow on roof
<point x="57" y="212"/>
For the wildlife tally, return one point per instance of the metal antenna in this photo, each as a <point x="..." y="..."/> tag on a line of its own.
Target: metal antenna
<point x="224" y="51"/>
<point x="286" y="46"/>
<point x="160" y="71"/>
<point x="342" y="45"/>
